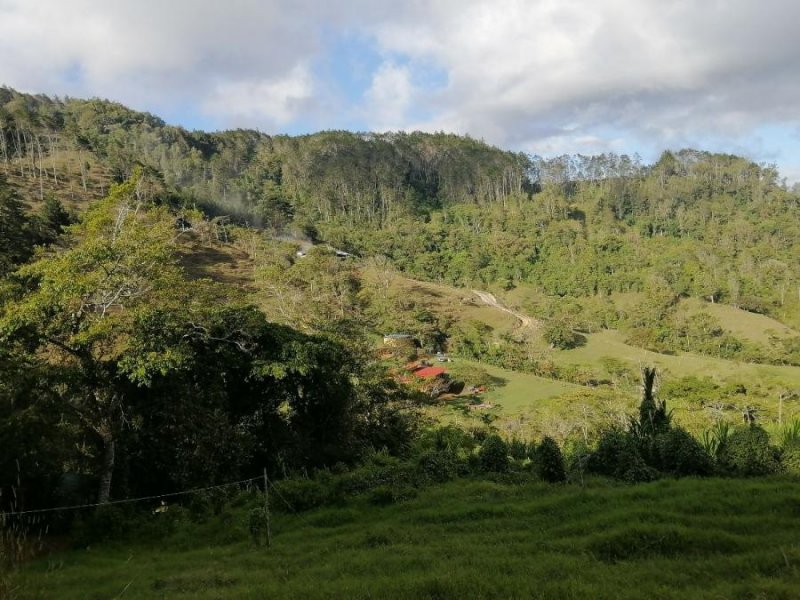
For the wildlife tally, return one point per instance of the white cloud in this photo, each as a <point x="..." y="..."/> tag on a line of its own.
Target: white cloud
<point x="519" y="71"/>
<point x="276" y="100"/>
<point x="389" y="97"/>
<point x="528" y="74"/>
<point x="162" y="55"/>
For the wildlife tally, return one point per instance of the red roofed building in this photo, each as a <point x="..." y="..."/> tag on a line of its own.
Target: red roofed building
<point x="430" y="372"/>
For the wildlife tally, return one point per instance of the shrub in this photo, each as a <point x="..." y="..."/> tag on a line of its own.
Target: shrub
<point x="577" y="458"/>
<point x="559" y="334"/>
<point x="715" y="438"/>
<point x="678" y="453"/>
<point x="449" y="438"/>
<point x="300" y="494"/>
<point x="207" y="503"/>
<point x="617" y="455"/>
<point x="612" y="449"/>
<point x="548" y="462"/>
<point x="638" y="471"/>
<point x="440" y="465"/>
<point x="747" y="453"/>
<point x="370" y="477"/>
<point x="518" y="449"/>
<point x="791" y="459"/>
<point x="479" y="434"/>
<point x="493" y="455"/>
<point x="104" y="524"/>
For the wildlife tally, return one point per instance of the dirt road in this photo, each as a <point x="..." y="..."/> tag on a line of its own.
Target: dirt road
<point x="489" y="299"/>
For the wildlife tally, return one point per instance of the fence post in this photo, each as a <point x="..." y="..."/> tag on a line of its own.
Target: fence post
<point x="266" y="508"/>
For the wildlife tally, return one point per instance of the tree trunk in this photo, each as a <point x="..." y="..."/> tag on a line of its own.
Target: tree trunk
<point x="107" y="470"/>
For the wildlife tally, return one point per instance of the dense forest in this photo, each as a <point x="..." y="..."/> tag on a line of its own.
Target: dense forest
<point x="145" y="379"/>
<point x="444" y="207"/>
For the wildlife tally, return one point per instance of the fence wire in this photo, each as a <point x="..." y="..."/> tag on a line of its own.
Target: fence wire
<point x="127" y="500"/>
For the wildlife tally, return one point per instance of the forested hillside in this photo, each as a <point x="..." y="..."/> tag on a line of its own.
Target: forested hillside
<point x="443" y="207"/>
<point x="167" y="269"/>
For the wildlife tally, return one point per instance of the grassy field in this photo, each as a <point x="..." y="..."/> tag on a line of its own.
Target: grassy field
<point x="522" y="405"/>
<point x="611" y="343"/>
<point x="701" y="539"/>
<point x="744" y="325"/>
<point x="516" y="393"/>
<point x="529" y="407"/>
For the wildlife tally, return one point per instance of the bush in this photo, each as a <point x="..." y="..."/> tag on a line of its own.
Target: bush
<point x="617" y="455"/>
<point x="638" y="471"/>
<point x="613" y="448"/>
<point x="493" y="455"/>
<point x="450" y="438"/>
<point x="747" y="453"/>
<point x="791" y="459"/>
<point x="548" y="462"/>
<point x="370" y="477"/>
<point x="105" y="523"/>
<point x="577" y="455"/>
<point x="518" y="449"/>
<point x="440" y="465"/>
<point x="300" y="494"/>
<point x="559" y="334"/>
<point x="678" y="453"/>
<point x="207" y="503"/>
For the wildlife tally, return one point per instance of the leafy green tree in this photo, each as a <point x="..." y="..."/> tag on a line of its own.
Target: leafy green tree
<point x="678" y="453"/>
<point x="548" y="461"/>
<point x="16" y="240"/>
<point x="52" y="219"/>
<point x="747" y="452"/>
<point x="493" y="455"/>
<point x="560" y="334"/>
<point x="77" y="309"/>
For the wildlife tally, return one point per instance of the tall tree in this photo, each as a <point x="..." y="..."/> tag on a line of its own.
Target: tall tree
<point x="77" y="309"/>
<point x="16" y="242"/>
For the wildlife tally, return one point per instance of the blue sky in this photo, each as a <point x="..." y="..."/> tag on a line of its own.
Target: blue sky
<point x="539" y="76"/>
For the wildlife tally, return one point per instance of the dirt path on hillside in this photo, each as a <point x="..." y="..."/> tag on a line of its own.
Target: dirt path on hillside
<point x="490" y="300"/>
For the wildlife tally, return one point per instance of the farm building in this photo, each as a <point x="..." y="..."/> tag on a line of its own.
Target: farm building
<point x="430" y="372"/>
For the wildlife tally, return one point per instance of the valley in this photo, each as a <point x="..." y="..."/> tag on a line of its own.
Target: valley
<point x="400" y="365"/>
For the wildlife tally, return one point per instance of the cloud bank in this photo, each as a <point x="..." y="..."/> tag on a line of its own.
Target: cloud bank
<point x="543" y="76"/>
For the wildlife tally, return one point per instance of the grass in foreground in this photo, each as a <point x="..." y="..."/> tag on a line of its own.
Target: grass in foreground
<point x="469" y="539"/>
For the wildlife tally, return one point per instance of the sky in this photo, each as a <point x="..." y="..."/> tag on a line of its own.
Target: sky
<point x="539" y="76"/>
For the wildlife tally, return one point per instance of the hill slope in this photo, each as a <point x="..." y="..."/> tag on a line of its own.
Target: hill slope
<point x="671" y="539"/>
<point x="527" y="405"/>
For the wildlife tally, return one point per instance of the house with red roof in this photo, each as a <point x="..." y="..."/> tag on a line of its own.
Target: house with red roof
<point x="430" y="372"/>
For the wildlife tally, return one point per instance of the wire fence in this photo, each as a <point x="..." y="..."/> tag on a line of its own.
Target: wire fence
<point x="128" y="500"/>
<point x="23" y="532"/>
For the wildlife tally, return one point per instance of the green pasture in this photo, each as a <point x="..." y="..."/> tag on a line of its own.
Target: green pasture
<point x="672" y="539"/>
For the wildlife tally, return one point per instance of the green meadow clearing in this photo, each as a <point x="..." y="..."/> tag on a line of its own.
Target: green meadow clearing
<point x="529" y="407"/>
<point x="610" y="343"/>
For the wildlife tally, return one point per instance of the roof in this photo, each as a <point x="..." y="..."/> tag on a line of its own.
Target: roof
<point x="430" y="372"/>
